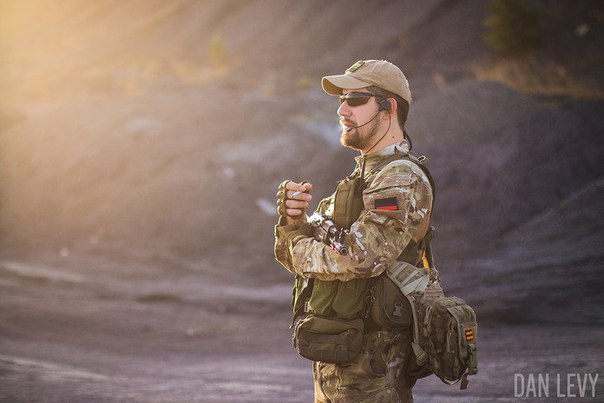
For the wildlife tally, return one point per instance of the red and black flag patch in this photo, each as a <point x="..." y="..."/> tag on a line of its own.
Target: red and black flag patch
<point x="389" y="203"/>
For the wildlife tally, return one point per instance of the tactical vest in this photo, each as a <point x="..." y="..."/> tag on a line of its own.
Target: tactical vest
<point x="376" y="301"/>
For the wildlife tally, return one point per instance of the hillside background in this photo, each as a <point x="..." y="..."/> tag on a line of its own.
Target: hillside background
<point x="141" y="144"/>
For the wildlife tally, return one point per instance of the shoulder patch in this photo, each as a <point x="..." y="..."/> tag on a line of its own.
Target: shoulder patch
<point x="389" y="203"/>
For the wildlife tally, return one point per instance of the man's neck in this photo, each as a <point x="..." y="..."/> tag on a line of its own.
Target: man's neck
<point x="393" y="136"/>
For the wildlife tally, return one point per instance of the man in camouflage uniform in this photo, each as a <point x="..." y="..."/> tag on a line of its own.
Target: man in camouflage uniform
<point x="396" y="209"/>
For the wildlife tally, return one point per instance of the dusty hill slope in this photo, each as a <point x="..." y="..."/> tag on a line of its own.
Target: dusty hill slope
<point x="503" y="157"/>
<point x="548" y="270"/>
<point x="122" y="138"/>
<point x="105" y="44"/>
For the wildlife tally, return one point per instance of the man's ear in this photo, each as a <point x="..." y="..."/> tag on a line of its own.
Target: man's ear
<point x="389" y="105"/>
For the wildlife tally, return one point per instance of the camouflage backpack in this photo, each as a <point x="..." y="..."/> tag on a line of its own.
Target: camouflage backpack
<point x="444" y="328"/>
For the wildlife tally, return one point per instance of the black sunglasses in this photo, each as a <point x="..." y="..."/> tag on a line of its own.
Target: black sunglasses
<point x="356" y="98"/>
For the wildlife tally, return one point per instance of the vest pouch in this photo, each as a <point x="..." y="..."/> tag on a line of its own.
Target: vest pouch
<point x="349" y="302"/>
<point x="390" y="308"/>
<point x="322" y="297"/>
<point x="331" y="340"/>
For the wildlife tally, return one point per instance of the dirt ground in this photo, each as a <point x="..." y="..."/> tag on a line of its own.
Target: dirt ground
<point x="128" y="334"/>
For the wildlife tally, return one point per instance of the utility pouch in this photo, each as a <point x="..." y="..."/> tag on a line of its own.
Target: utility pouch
<point x="447" y="338"/>
<point x="331" y="340"/>
<point x="389" y="307"/>
<point x="322" y="297"/>
<point x="349" y="302"/>
<point x="344" y="299"/>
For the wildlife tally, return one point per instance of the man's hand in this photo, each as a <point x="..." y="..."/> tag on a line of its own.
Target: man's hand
<point x="293" y="199"/>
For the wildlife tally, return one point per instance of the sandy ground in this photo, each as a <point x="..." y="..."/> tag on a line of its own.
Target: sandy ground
<point x="108" y="336"/>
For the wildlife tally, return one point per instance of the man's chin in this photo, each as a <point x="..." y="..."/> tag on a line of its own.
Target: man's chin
<point x="350" y="139"/>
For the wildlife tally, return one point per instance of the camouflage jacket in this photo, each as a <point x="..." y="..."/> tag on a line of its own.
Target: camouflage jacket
<point x="377" y="237"/>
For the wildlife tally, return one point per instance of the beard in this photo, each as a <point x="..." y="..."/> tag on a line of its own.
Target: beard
<point x="359" y="138"/>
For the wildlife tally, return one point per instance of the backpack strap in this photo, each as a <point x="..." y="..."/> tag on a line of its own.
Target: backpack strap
<point x="425" y="244"/>
<point x="410" y="279"/>
<point x="422" y="162"/>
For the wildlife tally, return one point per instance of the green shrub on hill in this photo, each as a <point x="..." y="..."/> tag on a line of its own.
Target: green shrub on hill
<point x="514" y="26"/>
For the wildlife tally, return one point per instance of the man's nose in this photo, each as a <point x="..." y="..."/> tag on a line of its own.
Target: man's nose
<point x="344" y="109"/>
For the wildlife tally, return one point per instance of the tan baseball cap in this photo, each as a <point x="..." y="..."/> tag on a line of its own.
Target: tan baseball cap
<point x="365" y="73"/>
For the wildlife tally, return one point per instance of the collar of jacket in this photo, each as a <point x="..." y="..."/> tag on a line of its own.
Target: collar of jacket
<point x="373" y="159"/>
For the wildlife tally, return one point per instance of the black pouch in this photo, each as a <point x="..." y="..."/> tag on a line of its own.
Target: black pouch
<point x="390" y="309"/>
<point x="330" y="340"/>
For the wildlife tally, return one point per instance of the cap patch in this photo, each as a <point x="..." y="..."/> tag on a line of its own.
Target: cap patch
<point x="355" y="66"/>
<point x="389" y="203"/>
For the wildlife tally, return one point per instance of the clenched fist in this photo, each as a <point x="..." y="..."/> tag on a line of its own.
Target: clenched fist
<point x="293" y="199"/>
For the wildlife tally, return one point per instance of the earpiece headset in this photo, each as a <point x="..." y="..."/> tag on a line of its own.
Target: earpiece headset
<point x="385" y="105"/>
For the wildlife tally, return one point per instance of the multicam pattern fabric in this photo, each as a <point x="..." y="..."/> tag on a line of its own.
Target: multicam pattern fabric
<point x="396" y="207"/>
<point x="371" y="377"/>
<point x="377" y="238"/>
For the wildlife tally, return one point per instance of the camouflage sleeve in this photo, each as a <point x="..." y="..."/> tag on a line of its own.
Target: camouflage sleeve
<point x="285" y="236"/>
<point x="396" y="203"/>
<point x="288" y="235"/>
